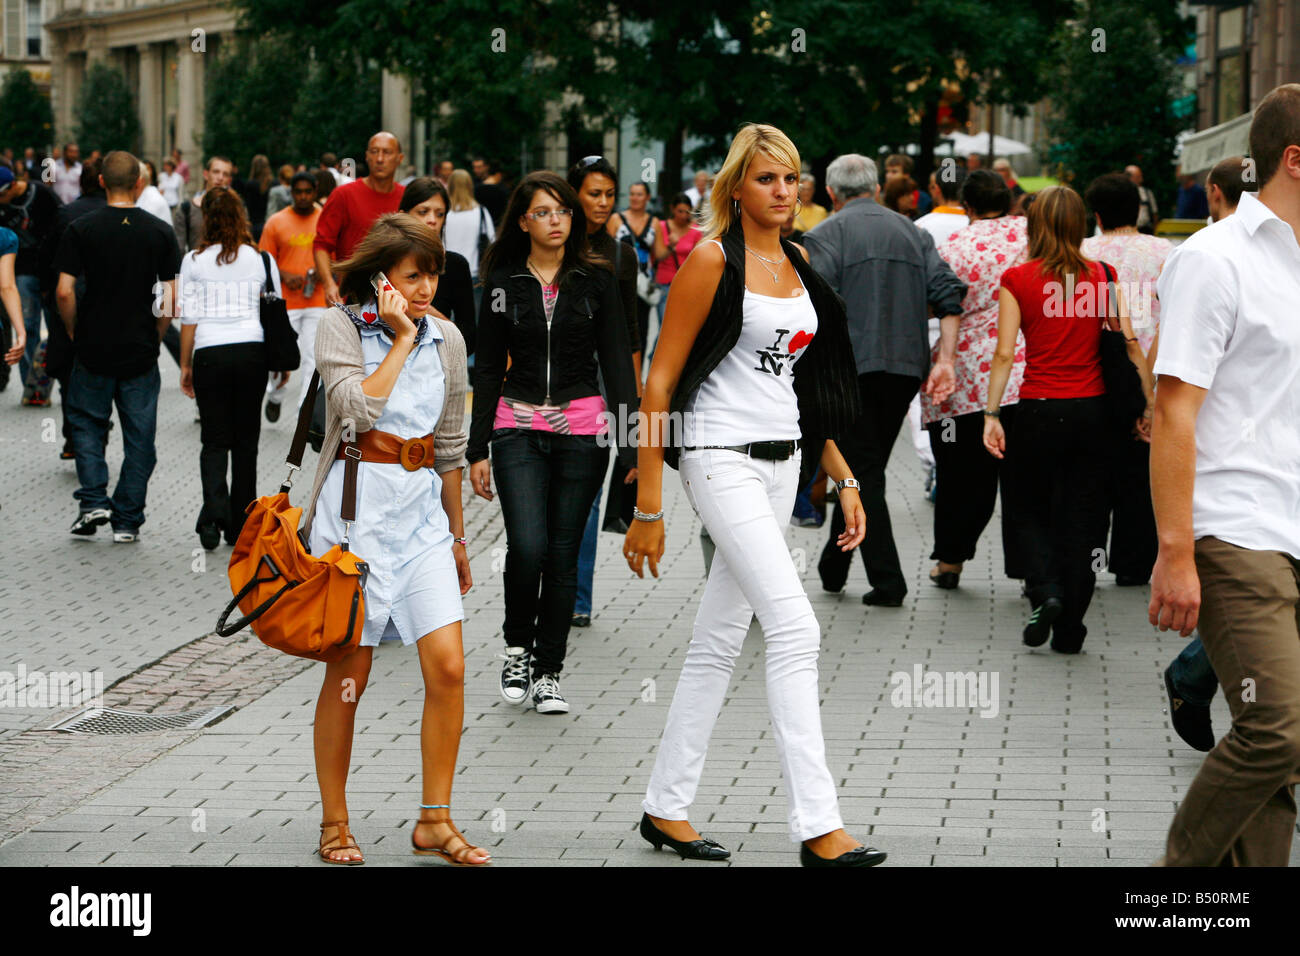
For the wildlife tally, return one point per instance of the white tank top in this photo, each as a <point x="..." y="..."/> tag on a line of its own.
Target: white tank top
<point x="750" y="396"/>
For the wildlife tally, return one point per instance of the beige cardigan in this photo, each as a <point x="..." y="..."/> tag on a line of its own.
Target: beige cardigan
<point x="342" y="369"/>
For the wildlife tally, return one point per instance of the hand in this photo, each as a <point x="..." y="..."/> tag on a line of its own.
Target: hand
<point x="392" y="309"/>
<point x="942" y="381"/>
<point x="631" y="476"/>
<point x="462" y="568"/>
<point x="1143" y="427"/>
<point x="187" y="381"/>
<point x="15" y="354"/>
<point x="644" y="539"/>
<point x="1175" y="593"/>
<point x="995" y="439"/>
<point x="331" y="288"/>
<point x="480" y="479"/>
<point x="292" y="282"/>
<point x="855" y="520"/>
<point x="282" y="380"/>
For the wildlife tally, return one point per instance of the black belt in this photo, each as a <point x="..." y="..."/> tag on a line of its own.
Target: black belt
<point x="765" y="450"/>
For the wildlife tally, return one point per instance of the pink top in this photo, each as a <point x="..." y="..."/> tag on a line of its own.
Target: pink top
<point x="677" y="254"/>
<point x="1137" y="260"/>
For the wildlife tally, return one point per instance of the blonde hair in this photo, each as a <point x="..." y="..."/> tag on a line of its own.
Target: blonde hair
<point x="461" y="189"/>
<point x="752" y="139"/>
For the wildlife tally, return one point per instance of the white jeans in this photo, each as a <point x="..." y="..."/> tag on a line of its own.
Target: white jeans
<point x="745" y="505"/>
<point x="304" y="322"/>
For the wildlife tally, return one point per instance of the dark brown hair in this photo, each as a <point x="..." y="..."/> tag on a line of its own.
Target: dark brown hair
<point x="393" y="237"/>
<point x="513" y="245"/>
<point x="1058" y="223"/>
<point x="1275" y="127"/>
<point x="225" y="224"/>
<point x="1228" y="175"/>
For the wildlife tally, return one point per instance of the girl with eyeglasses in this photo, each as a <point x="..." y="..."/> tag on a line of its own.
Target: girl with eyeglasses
<point x="553" y="306"/>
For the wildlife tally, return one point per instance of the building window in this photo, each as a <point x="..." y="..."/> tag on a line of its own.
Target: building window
<point x="1231" y="64"/>
<point x="34" y="24"/>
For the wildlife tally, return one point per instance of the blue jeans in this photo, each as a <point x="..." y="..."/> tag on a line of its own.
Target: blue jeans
<point x="29" y="292"/>
<point x="1192" y="674"/>
<point x="587" y="559"/>
<point x="90" y="400"/>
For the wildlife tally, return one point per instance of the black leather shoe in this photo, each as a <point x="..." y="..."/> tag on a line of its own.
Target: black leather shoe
<point x="580" y="620"/>
<point x="272" y="411"/>
<point x="948" y="580"/>
<point x="858" y="856"/>
<point x="1191" y="721"/>
<point x="878" y="598"/>
<point x="210" y="536"/>
<point x="700" y="849"/>
<point x="1040" y="622"/>
<point x="832" y="582"/>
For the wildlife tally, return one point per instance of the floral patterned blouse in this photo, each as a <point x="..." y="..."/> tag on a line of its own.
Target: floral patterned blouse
<point x="1137" y="260"/>
<point x="979" y="254"/>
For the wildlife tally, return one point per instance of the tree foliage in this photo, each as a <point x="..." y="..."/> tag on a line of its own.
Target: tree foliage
<point x="106" y="111"/>
<point x="25" y="115"/>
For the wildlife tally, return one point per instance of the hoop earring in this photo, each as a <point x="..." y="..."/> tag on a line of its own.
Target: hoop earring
<point x="735" y="208"/>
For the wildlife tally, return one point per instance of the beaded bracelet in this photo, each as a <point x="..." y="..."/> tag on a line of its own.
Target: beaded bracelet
<point x="640" y="515"/>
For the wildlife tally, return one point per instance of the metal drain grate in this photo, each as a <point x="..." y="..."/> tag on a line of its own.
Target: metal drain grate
<point x="99" y="720"/>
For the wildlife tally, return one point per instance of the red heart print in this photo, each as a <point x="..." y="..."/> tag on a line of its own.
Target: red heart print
<point x="800" y="339"/>
<point x="369" y="317"/>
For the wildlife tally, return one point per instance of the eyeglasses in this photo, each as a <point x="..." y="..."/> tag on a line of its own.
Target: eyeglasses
<point x="563" y="212"/>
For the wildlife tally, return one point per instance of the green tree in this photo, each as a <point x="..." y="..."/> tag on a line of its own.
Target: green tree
<point x="25" y="115"/>
<point x="106" y="111"/>
<point x="336" y="110"/>
<point x="1114" y="100"/>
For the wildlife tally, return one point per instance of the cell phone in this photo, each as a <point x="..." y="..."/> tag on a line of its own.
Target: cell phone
<point x="379" y="282"/>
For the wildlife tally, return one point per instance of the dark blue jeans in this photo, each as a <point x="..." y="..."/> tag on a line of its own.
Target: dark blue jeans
<point x="1193" y="674"/>
<point x="547" y="483"/>
<point x="90" y="400"/>
<point x="587" y="560"/>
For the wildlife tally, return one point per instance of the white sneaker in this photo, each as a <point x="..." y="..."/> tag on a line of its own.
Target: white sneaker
<point x="515" y="675"/>
<point x="547" y="697"/>
<point x="126" y="537"/>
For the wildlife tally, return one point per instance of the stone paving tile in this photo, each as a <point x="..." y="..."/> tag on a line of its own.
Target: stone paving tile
<point x="933" y="786"/>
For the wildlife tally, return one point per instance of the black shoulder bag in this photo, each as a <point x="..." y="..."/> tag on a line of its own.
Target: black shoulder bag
<point x="1125" y="401"/>
<point x="282" y="353"/>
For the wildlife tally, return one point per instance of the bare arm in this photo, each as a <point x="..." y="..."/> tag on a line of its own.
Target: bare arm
<point x="1175" y="587"/>
<point x="65" y="297"/>
<point x="13" y="306"/>
<point x="1004" y="357"/>
<point x="325" y="271"/>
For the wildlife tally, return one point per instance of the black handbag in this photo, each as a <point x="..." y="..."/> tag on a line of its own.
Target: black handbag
<point x="1125" y="400"/>
<point x="282" y="353"/>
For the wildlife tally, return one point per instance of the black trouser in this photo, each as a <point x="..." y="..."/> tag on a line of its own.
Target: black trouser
<point x="642" y="324"/>
<point x="866" y="447"/>
<point x="1133" y="543"/>
<point x="547" y="483"/>
<point x="968" y="480"/>
<point x="1060" y="480"/>
<point x="229" y="382"/>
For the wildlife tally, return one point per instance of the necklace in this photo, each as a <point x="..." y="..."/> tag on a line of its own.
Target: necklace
<point x="533" y="269"/>
<point x="763" y="261"/>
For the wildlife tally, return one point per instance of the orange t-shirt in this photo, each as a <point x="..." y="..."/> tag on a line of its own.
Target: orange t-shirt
<point x="288" y="237"/>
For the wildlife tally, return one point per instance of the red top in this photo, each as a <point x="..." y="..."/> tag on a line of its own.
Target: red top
<point x="1062" y="328"/>
<point x="348" y="215"/>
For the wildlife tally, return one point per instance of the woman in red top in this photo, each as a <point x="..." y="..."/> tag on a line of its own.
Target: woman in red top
<point x="1059" y="300"/>
<point x="675" y="237"/>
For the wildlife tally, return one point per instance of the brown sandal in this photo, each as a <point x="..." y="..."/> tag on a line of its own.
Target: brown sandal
<point x="343" y="840"/>
<point x="457" y="857"/>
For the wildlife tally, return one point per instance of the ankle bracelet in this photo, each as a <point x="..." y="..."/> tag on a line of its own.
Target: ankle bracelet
<point x="435" y="806"/>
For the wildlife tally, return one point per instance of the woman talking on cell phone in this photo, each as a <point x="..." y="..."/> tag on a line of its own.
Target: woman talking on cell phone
<point x="755" y="358"/>
<point x="394" y="377"/>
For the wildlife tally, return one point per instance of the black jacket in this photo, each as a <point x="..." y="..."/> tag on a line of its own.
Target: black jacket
<point x="555" y="365"/>
<point x="825" y="379"/>
<point x="455" y="298"/>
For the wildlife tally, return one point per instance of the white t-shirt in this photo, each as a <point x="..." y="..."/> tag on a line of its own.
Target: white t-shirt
<point x="152" y="202"/>
<point x="171" y="185"/>
<point x="224" y="301"/>
<point x="462" y="232"/>
<point x="942" y="225"/>
<point x="1230" y="323"/>
<point x="750" y="395"/>
<point x="67" y="181"/>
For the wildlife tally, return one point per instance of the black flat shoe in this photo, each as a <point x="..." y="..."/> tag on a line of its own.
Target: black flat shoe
<point x="209" y="536"/>
<point x="858" y="856"/>
<point x="1191" y="721"/>
<point x="1040" y="622"/>
<point x="878" y="598"/>
<point x="700" y="849"/>
<point x="945" y="579"/>
<point x="580" y="620"/>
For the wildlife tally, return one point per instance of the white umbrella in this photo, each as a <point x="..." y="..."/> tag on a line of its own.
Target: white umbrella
<point x="963" y="144"/>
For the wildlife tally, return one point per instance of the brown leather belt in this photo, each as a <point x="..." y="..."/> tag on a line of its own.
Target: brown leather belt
<point x="385" y="448"/>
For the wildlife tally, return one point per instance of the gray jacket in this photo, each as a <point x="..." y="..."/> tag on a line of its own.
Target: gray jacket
<point x="887" y="271"/>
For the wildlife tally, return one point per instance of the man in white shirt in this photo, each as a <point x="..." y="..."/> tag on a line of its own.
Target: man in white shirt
<point x="948" y="215"/>
<point x="699" y="193"/>
<point x="1148" y="211"/>
<point x="67" y="174"/>
<point x="1225" y="483"/>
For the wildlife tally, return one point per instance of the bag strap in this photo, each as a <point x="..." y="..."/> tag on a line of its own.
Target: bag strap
<point x="1111" y="297"/>
<point x="266" y="266"/>
<point x="225" y="630"/>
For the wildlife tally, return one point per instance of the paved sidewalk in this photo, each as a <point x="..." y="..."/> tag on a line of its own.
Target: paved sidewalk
<point x="1077" y="767"/>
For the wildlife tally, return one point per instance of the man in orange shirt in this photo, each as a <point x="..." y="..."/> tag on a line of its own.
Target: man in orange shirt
<point x="288" y="237"/>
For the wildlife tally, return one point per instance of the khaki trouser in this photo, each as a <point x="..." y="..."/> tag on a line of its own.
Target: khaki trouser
<point x="1240" y="810"/>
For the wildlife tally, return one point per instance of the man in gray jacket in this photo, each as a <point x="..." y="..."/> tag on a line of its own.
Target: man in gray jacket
<point x="888" y="272"/>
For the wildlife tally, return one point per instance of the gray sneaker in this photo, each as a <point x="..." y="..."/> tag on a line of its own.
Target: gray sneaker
<point x="515" y="682"/>
<point x="547" y="697"/>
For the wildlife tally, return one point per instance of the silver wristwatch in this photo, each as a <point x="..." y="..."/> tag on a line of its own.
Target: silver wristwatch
<point x="848" y="483"/>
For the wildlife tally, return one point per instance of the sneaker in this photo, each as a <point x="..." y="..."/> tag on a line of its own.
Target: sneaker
<point x="806" y="521"/>
<point x="1191" y="721"/>
<point x="515" y="683"/>
<point x="272" y="411"/>
<point x="88" y="522"/>
<point x="547" y="697"/>
<point x="580" y="620"/>
<point x="1040" y="622"/>
<point x="125" y="536"/>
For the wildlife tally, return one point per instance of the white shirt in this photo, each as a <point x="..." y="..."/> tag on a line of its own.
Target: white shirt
<point x="1230" y="323"/>
<point x="67" y="181"/>
<point x="224" y="301"/>
<point x="696" y="197"/>
<point x="749" y="396"/>
<point x="462" y="231"/>
<point x="151" y="201"/>
<point x="171" y="185"/>
<point x="942" y="225"/>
